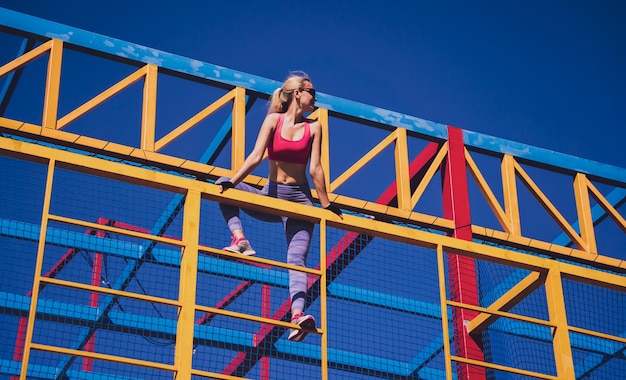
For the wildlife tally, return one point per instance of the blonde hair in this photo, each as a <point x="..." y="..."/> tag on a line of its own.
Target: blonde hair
<point x="281" y="97"/>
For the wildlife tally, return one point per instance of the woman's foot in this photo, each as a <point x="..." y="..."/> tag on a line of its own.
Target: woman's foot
<point x="306" y="323"/>
<point x="240" y="245"/>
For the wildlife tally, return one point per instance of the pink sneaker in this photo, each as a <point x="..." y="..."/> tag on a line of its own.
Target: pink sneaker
<point x="240" y="245"/>
<point x="306" y="323"/>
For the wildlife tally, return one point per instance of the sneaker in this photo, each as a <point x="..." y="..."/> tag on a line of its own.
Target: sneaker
<point x="240" y="245"/>
<point x="306" y="323"/>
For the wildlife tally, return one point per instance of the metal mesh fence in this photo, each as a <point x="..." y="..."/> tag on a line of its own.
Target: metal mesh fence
<point x="108" y="293"/>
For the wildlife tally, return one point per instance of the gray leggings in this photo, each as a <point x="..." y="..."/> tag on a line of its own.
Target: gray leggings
<point x="297" y="232"/>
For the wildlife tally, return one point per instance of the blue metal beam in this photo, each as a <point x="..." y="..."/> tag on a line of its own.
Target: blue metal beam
<point x="35" y="371"/>
<point x="616" y="198"/>
<point x="211" y="336"/>
<point x="210" y="265"/>
<point x="543" y="157"/>
<point x="237" y="340"/>
<point x="13" y="77"/>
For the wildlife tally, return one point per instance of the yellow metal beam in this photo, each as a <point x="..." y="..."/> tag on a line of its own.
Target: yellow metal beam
<point x="508" y="300"/>
<point x="322" y="116"/>
<point x="617" y="218"/>
<point x="32" y="312"/>
<point x="183" y="352"/>
<point x="428" y="176"/>
<point x="403" y="180"/>
<point x="102" y="97"/>
<point x="238" y="153"/>
<point x="53" y="85"/>
<point x="106" y="357"/>
<point x="194" y="120"/>
<point x="504" y="314"/>
<point x="216" y="172"/>
<point x="593" y="277"/>
<point x="549" y="207"/>
<point x="498" y="367"/>
<point x="583" y="207"/>
<point x="248" y="317"/>
<point x="323" y="301"/>
<point x="109" y="291"/>
<point x="491" y="199"/>
<point x="214" y="375"/>
<point x="254" y="259"/>
<point x="443" y="304"/>
<point x="362" y="161"/>
<point x="557" y="312"/>
<point x="596" y="334"/>
<point x="148" y="109"/>
<point x="26" y="58"/>
<point x="315" y="214"/>
<point x="509" y="190"/>
<point x="115" y="230"/>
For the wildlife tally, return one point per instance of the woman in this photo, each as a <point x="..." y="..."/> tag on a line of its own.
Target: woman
<point x="292" y="140"/>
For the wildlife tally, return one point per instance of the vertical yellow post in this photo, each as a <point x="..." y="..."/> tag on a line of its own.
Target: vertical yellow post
<point x="441" y="272"/>
<point x="148" y="111"/>
<point x="403" y="180"/>
<point x="556" y="309"/>
<point x="38" y="265"/>
<point x="53" y="84"/>
<point x="323" y="303"/>
<point x="585" y="219"/>
<point x="322" y="117"/>
<point x="238" y="139"/>
<point x="187" y="289"/>
<point x="509" y="188"/>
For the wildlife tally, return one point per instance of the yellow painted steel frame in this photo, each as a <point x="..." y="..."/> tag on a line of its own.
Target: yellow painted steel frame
<point x="544" y="270"/>
<point x="508" y="214"/>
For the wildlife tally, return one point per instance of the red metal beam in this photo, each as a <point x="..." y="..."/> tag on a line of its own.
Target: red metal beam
<point x="461" y="269"/>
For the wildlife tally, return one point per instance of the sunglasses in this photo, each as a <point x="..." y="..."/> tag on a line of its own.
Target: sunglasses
<point x="309" y="90"/>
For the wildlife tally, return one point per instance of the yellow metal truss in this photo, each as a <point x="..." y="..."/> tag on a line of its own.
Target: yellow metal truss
<point x="543" y="271"/>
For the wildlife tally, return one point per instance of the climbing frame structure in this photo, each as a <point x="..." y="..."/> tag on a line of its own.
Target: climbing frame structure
<point x="459" y="256"/>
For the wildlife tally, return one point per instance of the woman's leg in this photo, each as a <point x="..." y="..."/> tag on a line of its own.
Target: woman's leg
<point x="298" y="241"/>
<point x="298" y="235"/>
<point x="239" y="243"/>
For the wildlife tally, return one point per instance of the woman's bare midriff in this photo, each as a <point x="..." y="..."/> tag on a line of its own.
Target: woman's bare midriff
<point x="287" y="173"/>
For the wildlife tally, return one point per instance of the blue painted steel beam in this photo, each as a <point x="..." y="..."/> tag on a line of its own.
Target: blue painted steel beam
<point x="211" y="336"/>
<point x="237" y="340"/>
<point x="13" y="77"/>
<point x="117" y="48"/>
<point x="211" y="265"/>
<point x="35" y="371"/>
<point x="615" y="198"/>
<point x="543" y="157"/>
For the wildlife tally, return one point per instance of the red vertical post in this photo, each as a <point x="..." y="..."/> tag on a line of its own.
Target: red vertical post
<point x="461" y="269"/>
<point x="266" y="312"/>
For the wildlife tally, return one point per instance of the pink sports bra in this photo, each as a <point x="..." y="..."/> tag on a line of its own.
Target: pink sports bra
<point x="294" y="151"/>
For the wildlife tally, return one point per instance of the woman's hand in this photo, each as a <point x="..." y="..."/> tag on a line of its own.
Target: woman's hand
<point x="336" y="210"/>
<point x="225" y="186"/>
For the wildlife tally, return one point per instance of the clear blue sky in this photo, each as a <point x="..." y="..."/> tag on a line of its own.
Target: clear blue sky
<point x="545" y="73"/>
